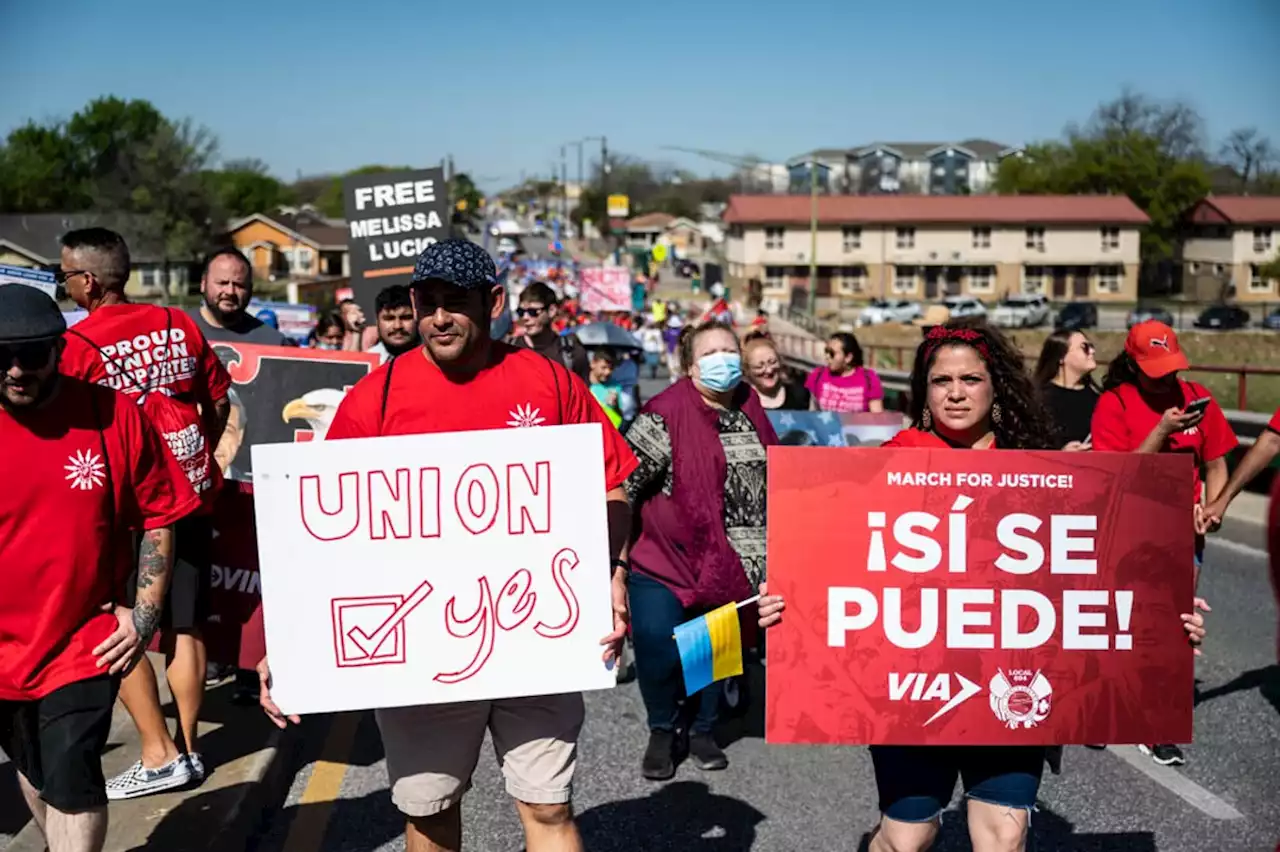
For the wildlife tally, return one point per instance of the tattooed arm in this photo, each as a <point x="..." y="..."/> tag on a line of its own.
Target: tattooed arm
<point x="123" y="648"/>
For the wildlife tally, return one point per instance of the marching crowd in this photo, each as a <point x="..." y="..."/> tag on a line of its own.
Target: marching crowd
<point x="114" y="425"/>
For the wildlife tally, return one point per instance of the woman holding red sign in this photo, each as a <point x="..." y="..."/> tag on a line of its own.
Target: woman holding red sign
<point x="969" y="391"/>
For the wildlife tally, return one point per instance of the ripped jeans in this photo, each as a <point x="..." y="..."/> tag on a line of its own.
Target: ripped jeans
<point x="915" y="783"/>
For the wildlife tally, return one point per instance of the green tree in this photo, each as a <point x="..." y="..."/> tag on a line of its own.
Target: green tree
<point x="330" y="200"/>
<point x="463" y="189"/>
<point x="244" y="187"/>
<point x="39" y="172"/>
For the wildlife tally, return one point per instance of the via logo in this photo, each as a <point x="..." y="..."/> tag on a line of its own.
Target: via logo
<point x="918" y="686"/>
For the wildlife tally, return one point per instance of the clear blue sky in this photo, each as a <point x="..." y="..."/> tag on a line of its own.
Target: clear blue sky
<point x="323" y="86"/>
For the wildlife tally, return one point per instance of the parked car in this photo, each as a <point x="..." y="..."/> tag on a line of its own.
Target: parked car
<point x="1272" y="320"/>
<point x="1021" y="310"/>
<point x="964" y="306"/>
<point x="1223" y="318"/>
<point x="1142" y="313"/>
<point x="506" y="245"/>
<point x="687" y="269"/>
<point x="889" y="310"/>
<point x="1076" y="316"/>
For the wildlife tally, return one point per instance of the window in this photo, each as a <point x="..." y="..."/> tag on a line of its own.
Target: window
<point x="982" y="238"/>
<point x="981" y="279"/>
<point x="1261" y="240"/>
<point x="774" y="277"/>
<point x="1218" y="269"/>
<point x="150" y="276"/>
<point x="1110" y="239"/>
<point x="851" y="279"/>
<point x="1033" y="279"/>
<point x="1109" y="279"/>
<point x="904" y="279"/>
<point x="1035" y="239"/>
<point x="1193" y="268"/>
<point x="773" y="237"/>
<point x="906" y="238"/>
<point x="1258" y="284"/>
<point x="852" y="238"/>
<point x="302" y="259"/>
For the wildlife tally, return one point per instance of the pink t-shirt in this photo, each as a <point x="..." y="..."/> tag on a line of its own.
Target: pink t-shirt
<point x="848" y="394"/>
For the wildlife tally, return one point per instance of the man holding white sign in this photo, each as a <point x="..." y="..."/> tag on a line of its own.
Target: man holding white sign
<point x="462" y="381"/>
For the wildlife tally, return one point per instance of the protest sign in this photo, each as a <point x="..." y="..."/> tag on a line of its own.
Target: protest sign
<point x="972" y="598"/>
<point x="40" y="279"/>
<point x="605" y="288"/>
<point x="422" y="569"/>
<point x="392" y="217"/>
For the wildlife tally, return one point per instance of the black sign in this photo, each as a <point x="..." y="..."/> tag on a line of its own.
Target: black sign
<point x="391" y="218"/>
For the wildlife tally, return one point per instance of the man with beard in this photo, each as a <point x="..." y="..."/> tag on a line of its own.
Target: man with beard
<point x="82" y="466"/>
<point x="227" y="287"/>
<point x="397" y="329"/>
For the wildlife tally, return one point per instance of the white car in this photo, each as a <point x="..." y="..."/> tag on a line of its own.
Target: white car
<point x="1021" y="310"/>
<point x="506" y="245"/>
<point x="892" y="310"/>
<point x="964" y="306"/>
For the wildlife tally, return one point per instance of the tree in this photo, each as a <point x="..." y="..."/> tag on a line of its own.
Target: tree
<point x="1175" y="125"/>
<point x="463" y="190"/>
<point x="1248" y="153"/>
<point x="244" y="187"/>
<point x="39" y="172"/>
<point x="330" y="200"/>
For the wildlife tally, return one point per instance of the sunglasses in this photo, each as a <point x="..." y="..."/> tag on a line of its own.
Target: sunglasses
<point x="529" y="312"/>
<point x="452" y="301"/>
<point x="1088" y="348"/>
<point x="830" y="353"/>
<point x="29" y="356"/>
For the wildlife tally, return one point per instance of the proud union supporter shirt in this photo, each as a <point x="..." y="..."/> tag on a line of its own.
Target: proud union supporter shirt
<point x="63" y="512"/>
<point x="518" y="388"/>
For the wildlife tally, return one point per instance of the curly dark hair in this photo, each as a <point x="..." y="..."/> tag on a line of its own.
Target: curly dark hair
<point x="1024" y="423"/>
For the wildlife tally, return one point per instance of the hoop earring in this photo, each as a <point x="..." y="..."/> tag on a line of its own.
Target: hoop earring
<point x="926" y="420"/>
<point x="996" y="414"/>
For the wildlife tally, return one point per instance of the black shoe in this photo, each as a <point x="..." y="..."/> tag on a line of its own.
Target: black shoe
<point x="706" y="754"/>
<point x="1165" y="755"/>
<point x="659" y="761"/>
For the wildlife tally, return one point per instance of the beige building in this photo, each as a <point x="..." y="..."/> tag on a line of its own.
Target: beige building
<point x="1226" y="242"/>
<point x="927" y="247"/>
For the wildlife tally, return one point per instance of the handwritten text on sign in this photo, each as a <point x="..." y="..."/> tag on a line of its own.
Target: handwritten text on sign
<point x="1050" y="582"/>
<point x="433" y="568"/>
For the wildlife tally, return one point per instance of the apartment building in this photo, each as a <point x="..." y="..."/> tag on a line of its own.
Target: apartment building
<point x="1227" y="240"/>
<point x="904" y="168"/>
<point x="930" y="246"/>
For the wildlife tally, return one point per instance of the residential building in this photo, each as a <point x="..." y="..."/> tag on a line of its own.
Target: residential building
<point x="907" y="168"/>
<point x="927" y="246"/>
<point x="292" y="245"/>
<point x="1227" y="239"/>
<point x="645" y="231"/>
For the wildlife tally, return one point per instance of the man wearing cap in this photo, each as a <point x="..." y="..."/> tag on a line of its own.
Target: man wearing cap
<point x="81" y="468"/>
<point x="462" y="380"/>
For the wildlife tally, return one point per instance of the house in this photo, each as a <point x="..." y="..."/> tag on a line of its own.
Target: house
<point x="645" y="231"/>
<point x="887" y="168"/>
<point x="1226" y="241"/>
<point x="34" y="240"/>
<point x="299" y="245"/>
<point x="930" y="246"/>
<point x="685" y="236"/>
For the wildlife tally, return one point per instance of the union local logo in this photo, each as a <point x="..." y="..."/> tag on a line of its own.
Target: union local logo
<point x="85" y="470"/>
<point x="525" y="416"/>
<point x="1020" y="698"/>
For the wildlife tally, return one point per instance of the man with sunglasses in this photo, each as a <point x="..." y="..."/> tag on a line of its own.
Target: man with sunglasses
<point x="81" y="467"/>
<point x="461" y="380"/>
<point x="536" y="315"/>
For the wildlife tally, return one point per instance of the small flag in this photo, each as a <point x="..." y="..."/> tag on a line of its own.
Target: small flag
<point x="710" y="647"/>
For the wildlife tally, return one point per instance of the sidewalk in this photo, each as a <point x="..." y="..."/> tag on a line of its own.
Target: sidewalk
<point x="1246" y="521"/>
<point x="246" y="757"/>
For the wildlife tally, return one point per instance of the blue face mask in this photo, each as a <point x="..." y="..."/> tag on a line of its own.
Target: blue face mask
<point x="720" y="371"/>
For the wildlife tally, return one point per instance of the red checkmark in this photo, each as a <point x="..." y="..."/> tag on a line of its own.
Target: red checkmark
<point x="370" y="644"/>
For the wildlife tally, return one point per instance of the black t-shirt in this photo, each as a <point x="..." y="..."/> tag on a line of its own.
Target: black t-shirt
<point x="795" y="397"/>
<point x="1071" y="410"/>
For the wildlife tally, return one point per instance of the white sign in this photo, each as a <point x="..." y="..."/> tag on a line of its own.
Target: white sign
<point x="606" y="288"/>
<point x="38" y="278"/>
<point x="422" y="569"/>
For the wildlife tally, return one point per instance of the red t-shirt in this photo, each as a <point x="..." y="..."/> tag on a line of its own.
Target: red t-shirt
<point x="919" y="439"/>
<point x="1124" y="417"/>
<point x="519" y="387"/>
<point x="63" y="515"/>
<point x="1274" y="425"/>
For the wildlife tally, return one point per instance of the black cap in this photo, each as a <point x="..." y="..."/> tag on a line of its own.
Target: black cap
<point x="27" y="314"/>
<point x="462" y="263"/>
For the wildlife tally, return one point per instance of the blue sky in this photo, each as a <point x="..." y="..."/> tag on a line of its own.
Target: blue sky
<point x="322" y="86"/>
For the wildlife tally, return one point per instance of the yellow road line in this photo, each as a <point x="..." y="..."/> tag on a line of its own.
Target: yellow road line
<point x="307" y="834"/>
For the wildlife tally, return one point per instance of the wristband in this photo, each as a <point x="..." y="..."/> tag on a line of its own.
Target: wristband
<point x="622" y="563"/>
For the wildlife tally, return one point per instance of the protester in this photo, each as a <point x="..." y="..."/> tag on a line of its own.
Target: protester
<point x="671" y="337"/>
<point x="227" y="286"/>
<point x="844" y="385"/>
<point x="158" y="358"/>
<point x="538" y="308"/>
<point x="1064" y="375"/>
<point x="81" y="467"/>
<point x="651" y="341"/>
<point x="461" y="380"/>
<point x="699" y="498"/>
<point x="607" y="393"/>
<point x="969" y="391"/>
<point x="353" y="325"/>
<point x="330" y="332"/>
<point x="397" y="329"/>
<point x="766" y="374"/>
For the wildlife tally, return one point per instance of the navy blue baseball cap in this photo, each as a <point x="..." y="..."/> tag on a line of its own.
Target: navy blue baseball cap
<point x="461" y="263"/>
<point x="28" y="315"/>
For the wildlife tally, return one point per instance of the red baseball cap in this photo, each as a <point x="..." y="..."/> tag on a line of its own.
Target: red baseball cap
<point x="1154" y="347"/>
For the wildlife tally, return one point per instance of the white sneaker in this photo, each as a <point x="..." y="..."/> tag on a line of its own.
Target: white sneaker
<point x="138" y="780"/>
<point x="197" y="767"/>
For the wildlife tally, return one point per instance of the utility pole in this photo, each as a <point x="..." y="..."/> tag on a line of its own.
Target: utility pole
<point x="813" y="239"/>
<point x="564" y="186"/>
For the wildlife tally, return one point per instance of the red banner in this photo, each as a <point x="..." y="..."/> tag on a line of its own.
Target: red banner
<point x="979" y="598"/>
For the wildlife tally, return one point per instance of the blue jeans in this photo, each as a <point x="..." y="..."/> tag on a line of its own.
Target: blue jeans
<point x="915" y="783"/>
<point x="655" y="611"/>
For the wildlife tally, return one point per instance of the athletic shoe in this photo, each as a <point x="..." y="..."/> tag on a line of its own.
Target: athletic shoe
<point x="659" y="758"/>
<point x="1164" y="754"/>
<point x="706" y="755"/>
<point x="138" y="780"/>
<point x="197" y="767"/>
<point x="217" y="673"/>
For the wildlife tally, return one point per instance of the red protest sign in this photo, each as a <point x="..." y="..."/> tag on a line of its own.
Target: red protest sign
<point x="979" y="598"/>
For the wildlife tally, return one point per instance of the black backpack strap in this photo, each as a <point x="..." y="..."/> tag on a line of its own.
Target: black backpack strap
<point x="386" y="392"/>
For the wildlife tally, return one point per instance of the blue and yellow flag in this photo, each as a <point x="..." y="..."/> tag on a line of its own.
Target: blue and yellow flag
<point x="710" y="648"/>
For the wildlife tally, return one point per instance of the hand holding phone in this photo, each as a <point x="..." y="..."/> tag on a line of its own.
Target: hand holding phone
<point x="1197" y="406"/>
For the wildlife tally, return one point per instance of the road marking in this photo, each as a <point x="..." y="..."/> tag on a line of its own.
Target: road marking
<point x="1237" y="547"/>
<point x="1176" y="783"/>
<point x="324" y="785"/>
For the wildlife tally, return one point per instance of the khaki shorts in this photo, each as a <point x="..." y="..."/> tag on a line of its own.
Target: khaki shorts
<point x="432" y="750"/>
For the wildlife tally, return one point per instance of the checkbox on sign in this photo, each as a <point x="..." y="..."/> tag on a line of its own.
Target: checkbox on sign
<point x="369" y="631"/>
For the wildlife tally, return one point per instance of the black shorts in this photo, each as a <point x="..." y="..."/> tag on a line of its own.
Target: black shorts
<point x="916" y="783"/>
<point x="186" y="605"/>
<point x="56" y="742"/>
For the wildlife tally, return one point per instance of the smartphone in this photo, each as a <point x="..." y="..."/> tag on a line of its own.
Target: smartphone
<point x="1197" y="406"/>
